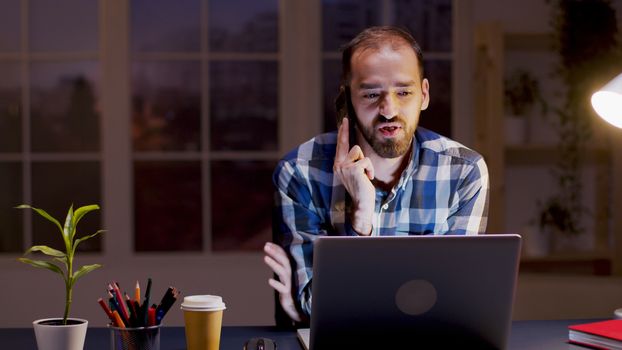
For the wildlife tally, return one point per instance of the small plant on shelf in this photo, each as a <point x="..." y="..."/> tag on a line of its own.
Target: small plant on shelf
<point x="522" y="93"/>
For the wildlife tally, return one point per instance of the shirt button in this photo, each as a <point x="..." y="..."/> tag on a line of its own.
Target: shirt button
<point x="385" y="207"/>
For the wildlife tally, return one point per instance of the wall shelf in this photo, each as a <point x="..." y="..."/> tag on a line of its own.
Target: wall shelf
<point x="567" y="265"/>
<point x="546" y="154"/>
<point x="597" y="262"/>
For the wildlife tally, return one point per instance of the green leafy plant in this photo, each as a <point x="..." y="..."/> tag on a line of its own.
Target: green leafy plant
<point x="522" y="92"/>
<point x="68" y="231"/>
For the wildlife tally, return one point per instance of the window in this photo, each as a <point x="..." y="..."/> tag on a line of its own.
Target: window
<point x="218" y="91"/>
<point x="49" y="122"/>
<point x="205" y="123"/>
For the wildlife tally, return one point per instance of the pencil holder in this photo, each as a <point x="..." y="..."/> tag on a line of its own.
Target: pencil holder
<point x="143" y="338"/>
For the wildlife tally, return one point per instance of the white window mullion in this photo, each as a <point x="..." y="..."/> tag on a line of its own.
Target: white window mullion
<point x="62" y="56"/>
<point x="26" y="160"/>
<point x="206" y="178"/>
<point x="117" y="189"/>
<point x="387" y="17"/>
<point x="204" y="55"/>
<point x="300" y="72"/>
<point x="462" y="72"/>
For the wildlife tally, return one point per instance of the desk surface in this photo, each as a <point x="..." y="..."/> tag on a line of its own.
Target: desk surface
<point x="525" y="335"/>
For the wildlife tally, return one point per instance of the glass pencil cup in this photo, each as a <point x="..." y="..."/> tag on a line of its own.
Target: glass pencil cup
<point x="142" y="338"/>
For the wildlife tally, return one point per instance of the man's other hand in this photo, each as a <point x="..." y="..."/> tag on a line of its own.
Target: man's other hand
<point x="277" y="260"/>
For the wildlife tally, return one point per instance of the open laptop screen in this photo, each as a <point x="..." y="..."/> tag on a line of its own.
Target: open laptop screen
<point x="442" y="291"/>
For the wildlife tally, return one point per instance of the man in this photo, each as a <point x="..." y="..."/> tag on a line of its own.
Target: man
<point x="379" y="174"/>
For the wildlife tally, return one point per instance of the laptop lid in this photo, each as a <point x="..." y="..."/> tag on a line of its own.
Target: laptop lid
<point x="440" y="291"/>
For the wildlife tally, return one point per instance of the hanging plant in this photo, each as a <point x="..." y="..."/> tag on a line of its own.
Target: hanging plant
<point x="586" y="40"/>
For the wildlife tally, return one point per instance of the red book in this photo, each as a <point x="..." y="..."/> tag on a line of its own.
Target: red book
<point x="599" y="335"/>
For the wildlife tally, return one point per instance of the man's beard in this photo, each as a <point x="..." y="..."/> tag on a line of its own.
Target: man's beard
<point x="388" y="147"/>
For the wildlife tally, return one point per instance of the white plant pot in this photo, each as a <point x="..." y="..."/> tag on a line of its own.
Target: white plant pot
<point x="58" y="336"/>
<point x="536" y="243"/>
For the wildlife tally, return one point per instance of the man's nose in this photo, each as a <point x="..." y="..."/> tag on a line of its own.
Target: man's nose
<point x="388" y="106"/>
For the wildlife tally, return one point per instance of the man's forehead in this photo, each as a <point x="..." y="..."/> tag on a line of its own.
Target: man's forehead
<point x="366" y="57"/>
<point x="393" y="44"/>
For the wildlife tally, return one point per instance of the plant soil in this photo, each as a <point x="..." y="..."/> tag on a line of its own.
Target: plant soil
<point x="59" y="322"/>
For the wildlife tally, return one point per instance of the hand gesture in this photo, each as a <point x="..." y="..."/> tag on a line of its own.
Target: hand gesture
<point x="277" y="260"/>
<point x="356" y="172"/>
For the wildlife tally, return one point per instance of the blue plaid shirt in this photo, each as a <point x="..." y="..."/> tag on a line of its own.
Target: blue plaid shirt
<point x="443" y="190"/>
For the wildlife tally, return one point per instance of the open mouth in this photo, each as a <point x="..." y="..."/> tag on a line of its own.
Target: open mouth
<point x="389" y="130"/>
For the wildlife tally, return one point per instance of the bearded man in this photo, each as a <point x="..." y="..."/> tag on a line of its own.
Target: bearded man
<point x="379" y="174"/>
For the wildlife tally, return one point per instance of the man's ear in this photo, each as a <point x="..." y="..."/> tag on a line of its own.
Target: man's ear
<point x="425" y="94"/>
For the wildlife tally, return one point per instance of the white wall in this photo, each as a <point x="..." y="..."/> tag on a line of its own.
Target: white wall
<point x="29" y="294"/>
<point x="528" y="16"/>
<point x="549" y="297"/>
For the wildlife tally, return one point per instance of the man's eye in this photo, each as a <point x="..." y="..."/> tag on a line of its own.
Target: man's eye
<point x="404" y="93"/>
<point x="371" y="96"/>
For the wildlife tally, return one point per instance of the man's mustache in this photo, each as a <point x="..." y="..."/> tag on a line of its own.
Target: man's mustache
<point x="380" y="119"/>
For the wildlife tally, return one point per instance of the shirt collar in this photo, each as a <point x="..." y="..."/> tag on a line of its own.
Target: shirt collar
<point x="412" y="162"/>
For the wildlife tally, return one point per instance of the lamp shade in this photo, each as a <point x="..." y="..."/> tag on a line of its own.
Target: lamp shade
<point x="607" y="102"/>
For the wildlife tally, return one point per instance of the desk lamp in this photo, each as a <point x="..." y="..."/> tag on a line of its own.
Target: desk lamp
<point x="607" y="102"/>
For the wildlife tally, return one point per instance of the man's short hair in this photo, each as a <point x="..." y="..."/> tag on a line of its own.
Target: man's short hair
<point x="371" y="38"/>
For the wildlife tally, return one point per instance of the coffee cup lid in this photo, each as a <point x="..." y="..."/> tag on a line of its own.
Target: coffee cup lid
<point x="203" y="302"/>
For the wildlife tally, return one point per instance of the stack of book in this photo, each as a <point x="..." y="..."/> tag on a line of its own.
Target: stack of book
<point x="600" y="335"/>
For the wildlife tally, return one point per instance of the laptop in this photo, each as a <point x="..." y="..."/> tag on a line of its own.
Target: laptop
<point x="412" y="291"/>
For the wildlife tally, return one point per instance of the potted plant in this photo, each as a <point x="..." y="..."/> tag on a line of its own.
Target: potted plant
<point x="521" y="94"/>
<point x="65" y="332"/>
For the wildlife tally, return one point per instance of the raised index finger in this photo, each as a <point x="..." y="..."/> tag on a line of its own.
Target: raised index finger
<point x="343" y="141"/>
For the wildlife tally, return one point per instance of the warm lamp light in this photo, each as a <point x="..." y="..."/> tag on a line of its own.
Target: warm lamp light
<point x="607" y="102"/>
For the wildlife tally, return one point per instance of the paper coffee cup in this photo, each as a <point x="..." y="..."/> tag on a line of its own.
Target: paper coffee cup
<point x="203" y="321"/>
